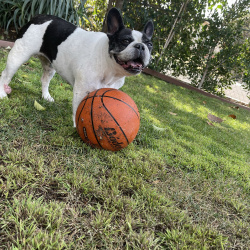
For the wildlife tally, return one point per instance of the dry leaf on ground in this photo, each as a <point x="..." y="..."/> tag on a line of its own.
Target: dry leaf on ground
<point x="235" y="107"/>
<point x="232" y="116"/>
<point x="214" y="118"/>
<point x="156" y="182"/>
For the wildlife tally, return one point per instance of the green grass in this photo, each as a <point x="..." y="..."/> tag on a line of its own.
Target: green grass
<point x="184" y="186"/>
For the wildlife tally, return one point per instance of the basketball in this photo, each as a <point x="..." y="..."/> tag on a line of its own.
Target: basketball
<point x="107" y="119"/>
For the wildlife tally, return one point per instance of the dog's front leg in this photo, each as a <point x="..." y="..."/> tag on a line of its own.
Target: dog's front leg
<point x="79" y="92"/>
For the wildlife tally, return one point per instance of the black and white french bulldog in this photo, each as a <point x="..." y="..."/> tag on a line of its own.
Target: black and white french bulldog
<point x="87" y="60"/>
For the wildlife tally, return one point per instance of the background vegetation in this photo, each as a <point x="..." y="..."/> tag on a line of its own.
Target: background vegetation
<point x="17" y="13"/>
<point x="206" y="41"/>
<point x="182" y="184"/>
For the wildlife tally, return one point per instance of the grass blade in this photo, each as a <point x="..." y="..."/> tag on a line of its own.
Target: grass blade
<point x="41" y="6"/>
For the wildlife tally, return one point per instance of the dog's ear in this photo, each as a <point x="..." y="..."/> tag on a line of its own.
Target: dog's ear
<point x="149" y="29"/>
<point x="114" y="21"/>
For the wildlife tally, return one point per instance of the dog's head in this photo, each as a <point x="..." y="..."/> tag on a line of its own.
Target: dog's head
<point x="131" y="49"/>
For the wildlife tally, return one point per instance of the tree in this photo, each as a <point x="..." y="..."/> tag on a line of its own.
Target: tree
<point x="199" y="39"/>
<point x="223" y="38"/>
<point x="171" y="33"/>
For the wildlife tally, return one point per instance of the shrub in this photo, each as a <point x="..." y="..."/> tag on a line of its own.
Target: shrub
<point x="18" y="12"/>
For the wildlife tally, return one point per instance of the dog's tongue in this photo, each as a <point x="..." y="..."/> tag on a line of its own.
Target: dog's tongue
<point x="132" y="64"/>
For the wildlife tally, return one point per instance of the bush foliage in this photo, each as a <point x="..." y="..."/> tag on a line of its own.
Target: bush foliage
<point x="18" y="12"/>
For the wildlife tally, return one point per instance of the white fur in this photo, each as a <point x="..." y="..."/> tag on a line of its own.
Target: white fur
<point x="82" y="59"/>
<point x="137" y="36"/>
<point x="21" y="52"/>
<point x="89" y="69"/>
<point x="126" y="54"/>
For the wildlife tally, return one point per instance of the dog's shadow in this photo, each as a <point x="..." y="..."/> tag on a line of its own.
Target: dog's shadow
<point x="54" y="115"/>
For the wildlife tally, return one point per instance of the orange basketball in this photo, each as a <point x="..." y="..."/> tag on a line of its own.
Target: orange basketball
<point x="108" y="119"/>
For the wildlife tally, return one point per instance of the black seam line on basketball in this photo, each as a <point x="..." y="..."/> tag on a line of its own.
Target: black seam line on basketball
<point x="119" y="100"/>
<point x="92" y="118"/>
<point x="103" y="95"/>
<point x="114" y="120"/>
<point x="108" y="90"/>
<point x="124" y="103"/>
<point x="115" y="99"/>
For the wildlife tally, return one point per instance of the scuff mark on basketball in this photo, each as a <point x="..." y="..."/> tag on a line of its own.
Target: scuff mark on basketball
<point x="110" y="135"/>
<point x="87" y="140"/>
<point x="85" y="133"/>
<point x="111" y="132"/>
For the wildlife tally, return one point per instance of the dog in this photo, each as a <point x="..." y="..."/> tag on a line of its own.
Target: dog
<point x="86" y="60"/>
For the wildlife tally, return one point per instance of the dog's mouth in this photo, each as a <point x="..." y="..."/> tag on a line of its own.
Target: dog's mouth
<point x="132" y="66"/>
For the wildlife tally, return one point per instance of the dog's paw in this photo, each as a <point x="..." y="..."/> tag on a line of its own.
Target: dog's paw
<point x="7" y="89"/>
<point x="48" y="98"/>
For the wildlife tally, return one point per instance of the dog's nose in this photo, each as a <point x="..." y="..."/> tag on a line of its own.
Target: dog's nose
<point x="139" y="46"/>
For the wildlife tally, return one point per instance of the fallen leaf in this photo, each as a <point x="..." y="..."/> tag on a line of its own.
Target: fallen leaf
<point x="38" y="106"/>
<point x="235" y="107"/>
<point x="232" y="116"/>
<point x="214" y="118"/>
<point x="210" y="123"/>
<point x="204" y="102"/>
<point x="158" y="129"/>
<point x="156" y="181"/>
<point x="171" y="113"/>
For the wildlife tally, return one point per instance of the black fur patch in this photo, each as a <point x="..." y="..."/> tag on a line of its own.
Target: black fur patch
<point x="146" y="40"/>
<point x="57" y="32"/>
<point x="40" y="19"/>
<point x="118" y="41"/>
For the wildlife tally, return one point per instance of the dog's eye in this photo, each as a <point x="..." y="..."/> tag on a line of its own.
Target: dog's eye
<point x="126" y="41"/>
<point x="150" y="44"/>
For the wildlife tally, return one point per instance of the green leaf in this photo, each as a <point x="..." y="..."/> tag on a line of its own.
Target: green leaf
<point x="24" y="7"/>
<point x="67" y="9"/>
<point x="38" y="106"/>
<point x="158" y="128"/>
<point x="33" y="7"/>
<point x="42" y="2"/>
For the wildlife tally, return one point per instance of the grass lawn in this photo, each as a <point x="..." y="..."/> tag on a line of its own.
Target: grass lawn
<point x="182" y="184"/>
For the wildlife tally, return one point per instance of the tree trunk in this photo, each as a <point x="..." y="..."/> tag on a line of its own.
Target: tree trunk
<point x="211" y="51"/>
<point x="112" y="3"/>
<point x="171" y="33"/>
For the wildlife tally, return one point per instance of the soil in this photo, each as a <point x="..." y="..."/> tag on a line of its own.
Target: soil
<point x="9" y="35"/>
